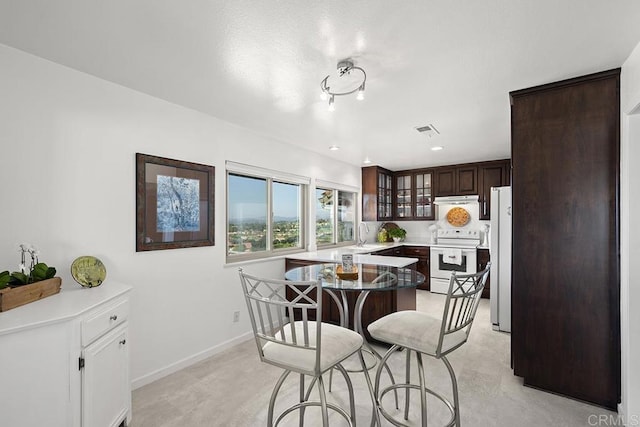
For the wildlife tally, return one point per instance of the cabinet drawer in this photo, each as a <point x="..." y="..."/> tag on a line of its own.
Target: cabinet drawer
<point x="104" y="319"/>
<point x="418" y="251"/>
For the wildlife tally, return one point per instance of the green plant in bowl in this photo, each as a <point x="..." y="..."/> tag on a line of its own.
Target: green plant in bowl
<point x="397" y="234"/>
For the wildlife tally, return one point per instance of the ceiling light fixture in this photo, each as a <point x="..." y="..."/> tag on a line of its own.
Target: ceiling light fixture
<point x="367" y="161"/>
<point x="334" y="148"/>
<point x="437" y="148"/>
<point x="345" y="68"/>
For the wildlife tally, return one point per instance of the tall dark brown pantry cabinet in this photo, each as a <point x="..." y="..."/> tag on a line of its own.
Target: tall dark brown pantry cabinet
<point x="565" y="280"/>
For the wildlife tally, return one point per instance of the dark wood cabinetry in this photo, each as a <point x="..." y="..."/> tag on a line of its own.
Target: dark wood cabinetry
<point x="423" y="207"/>
<point x="456" y="181"/>
<point x="397" y="251"/>
<point x="409" y="194"/>
<point x="377" y="194"/>
<point x="404" y="200"/>
<point x="445" y="182"/>
<point x="491" y="174"/>
<point x="467" y="180"/>
<point x="413" y="195"/>
<point x="483" y="259"/>
<point x="422" y="253"/>
<point x="566" y="270"/>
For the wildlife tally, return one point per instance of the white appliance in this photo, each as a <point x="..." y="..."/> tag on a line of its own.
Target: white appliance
<point x="500" y="252"/>
<point x="455" y="248"/>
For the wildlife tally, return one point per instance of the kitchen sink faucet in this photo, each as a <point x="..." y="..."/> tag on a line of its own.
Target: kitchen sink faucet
<point x="361" y="240"/>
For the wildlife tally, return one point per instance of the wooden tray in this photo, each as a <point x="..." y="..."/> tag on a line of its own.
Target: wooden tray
<point x="353" y="275"/>
<point x="21" y="295"/>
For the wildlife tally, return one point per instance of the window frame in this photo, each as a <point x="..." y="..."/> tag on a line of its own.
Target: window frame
<point x="326" y="185"/>
<point x="270" y="177"/>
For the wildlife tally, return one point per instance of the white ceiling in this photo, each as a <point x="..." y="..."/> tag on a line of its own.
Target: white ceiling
<point x="259" y="63"/>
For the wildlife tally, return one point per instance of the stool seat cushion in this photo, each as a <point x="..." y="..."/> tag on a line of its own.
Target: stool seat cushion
<point x="416" y="331"/>
<point x="337" y="343"/>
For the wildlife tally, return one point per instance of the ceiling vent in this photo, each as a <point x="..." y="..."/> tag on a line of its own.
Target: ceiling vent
<point x="428" y="130"/>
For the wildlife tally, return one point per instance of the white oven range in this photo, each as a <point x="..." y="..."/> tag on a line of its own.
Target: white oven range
<point x="446" y="259"/>
<point x="456" y="246"/>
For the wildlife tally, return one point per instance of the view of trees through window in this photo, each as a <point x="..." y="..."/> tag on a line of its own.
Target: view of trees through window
<point x="287" y="205"/>
<point x="330" y="218"/>
<point x="346" y="216"/>
<point x="251" y="227"/>
<point x="324" y="216"/>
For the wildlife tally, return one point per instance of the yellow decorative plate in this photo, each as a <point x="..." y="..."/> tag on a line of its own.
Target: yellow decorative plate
<point x="458" y="216"/>
<point x="88" y="271"/>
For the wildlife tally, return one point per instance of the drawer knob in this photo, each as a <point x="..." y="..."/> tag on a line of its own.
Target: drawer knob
<point x="123" y="342"/>
<point x="114" y="317"/>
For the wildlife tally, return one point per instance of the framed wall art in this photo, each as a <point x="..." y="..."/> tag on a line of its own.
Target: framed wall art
<point x="174" y="203"/>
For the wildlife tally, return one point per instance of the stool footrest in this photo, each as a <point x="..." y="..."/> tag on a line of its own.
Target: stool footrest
<point x="395" y="422"/>
<point x="308" y="403"/>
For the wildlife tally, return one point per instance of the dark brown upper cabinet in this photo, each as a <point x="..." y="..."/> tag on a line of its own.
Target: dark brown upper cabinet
<point x="413" y="195"/>
<point x="409" y="194"/>
<point x="491" y="174"/>
<point x="377" y="194"/>
<point x="404" y="193"/>
<point x="445" y="182"/>
<point x="423" y="207"/>
<point x="457" y="180"/>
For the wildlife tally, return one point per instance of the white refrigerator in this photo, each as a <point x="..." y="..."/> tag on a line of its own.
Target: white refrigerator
<point x="500" y="253"/>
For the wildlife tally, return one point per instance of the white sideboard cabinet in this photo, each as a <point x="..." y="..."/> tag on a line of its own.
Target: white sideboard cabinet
<point x="64" y="360"/>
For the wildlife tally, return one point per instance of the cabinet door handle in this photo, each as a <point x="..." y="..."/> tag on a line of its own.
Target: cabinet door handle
<point x="123" y="342"/>
<point x="113" y="317"/>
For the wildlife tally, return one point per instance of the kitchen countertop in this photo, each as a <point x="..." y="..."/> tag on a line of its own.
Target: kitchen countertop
<point x="362" y="255"/>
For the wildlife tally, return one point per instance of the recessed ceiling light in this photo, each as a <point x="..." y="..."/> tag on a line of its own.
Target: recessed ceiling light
<point x="366" y="161"/>
<point x="334" y="148"/>
<point x="437" y="148"/>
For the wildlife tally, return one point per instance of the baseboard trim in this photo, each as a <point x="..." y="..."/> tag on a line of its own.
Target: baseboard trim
<point x="188" y="361"/>
<point x="621" y="411"/>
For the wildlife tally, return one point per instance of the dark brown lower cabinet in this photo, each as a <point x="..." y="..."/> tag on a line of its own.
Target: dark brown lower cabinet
<point x="566" y="269"/>
<point x="483" y="259"/>
<point x="423" y="266"/>
<point x="377" y="304"/>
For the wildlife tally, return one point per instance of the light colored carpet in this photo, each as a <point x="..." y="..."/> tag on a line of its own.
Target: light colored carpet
<point x="233" y="389"/>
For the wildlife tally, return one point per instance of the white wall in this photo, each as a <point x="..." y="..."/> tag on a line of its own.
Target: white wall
<point x="630" y="237"/>
<point x="67" y="183"/>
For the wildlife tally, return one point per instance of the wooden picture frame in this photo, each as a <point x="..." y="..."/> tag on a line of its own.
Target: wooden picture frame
<point x="174" y="203"/>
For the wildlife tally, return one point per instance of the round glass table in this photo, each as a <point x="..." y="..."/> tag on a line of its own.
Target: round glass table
<point x="371" y="278"/>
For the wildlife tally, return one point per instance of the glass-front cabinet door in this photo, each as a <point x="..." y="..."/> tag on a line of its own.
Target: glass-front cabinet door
<point x="385" y="199"/>
<point x="404" y="196"/>
<point x="424" y="196"/>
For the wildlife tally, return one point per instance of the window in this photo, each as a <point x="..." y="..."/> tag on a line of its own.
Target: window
<point x="264" y="212"/>
<point x="335" y="222"/>
<point x="324" y="217"/>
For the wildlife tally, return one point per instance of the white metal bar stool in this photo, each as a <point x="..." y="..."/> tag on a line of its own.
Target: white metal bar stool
<point x="420" y="333"/>
<point x="307" y="347"/>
